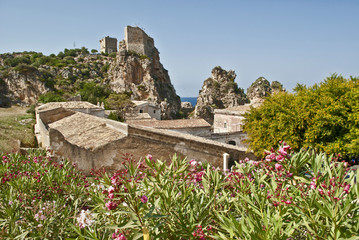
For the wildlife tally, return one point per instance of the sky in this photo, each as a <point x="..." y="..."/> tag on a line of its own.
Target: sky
<point x="290" y="41"/>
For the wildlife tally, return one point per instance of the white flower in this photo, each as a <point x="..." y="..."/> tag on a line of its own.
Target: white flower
<point x="85" y="219"/>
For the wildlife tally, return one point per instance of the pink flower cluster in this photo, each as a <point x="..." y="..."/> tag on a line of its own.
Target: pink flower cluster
<point x="199" y="233"/>
<point x="330" y="188"/>
<point x="118" y="236"/>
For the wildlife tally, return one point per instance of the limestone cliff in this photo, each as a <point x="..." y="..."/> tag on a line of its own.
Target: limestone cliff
<point x="136" y="69"/>
<point x="218" y="92"/>
<point x="22" y="86"/>
<point x="262" y="88"/>
<point x="143" y="75"/>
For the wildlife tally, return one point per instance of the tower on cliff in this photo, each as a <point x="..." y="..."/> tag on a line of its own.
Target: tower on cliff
<point x="138" y="41"/>
<point x="108" y="45"/>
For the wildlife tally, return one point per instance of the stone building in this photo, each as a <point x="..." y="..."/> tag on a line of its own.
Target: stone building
<point x="143" y="107"/>
<point x="197" y="127"/>
<point x="138" y="41"/>
<point x="96" y="142"/>
<point x="45" y="115"/>
<point x="229" y="119"/>
<point x="228" y="125"/>
<point x="108" y="45"/>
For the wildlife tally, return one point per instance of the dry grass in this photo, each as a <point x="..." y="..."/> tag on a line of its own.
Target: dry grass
<point x="16" y="126"/>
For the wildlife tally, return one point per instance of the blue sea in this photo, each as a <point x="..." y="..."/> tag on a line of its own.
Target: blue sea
<point x="192" y="100"/>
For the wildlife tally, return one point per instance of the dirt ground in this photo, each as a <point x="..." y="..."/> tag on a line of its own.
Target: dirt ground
<point x="13" y="111"/>
<point x="16" y="129"/>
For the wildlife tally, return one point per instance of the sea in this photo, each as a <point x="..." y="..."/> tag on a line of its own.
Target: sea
<point x="192" y="100"/>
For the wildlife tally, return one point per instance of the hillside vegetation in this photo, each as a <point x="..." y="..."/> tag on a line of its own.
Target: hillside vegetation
<point x="66" y="74"/>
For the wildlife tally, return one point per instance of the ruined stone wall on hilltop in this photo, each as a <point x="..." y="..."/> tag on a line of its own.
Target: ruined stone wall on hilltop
<point x="138" y="41"/>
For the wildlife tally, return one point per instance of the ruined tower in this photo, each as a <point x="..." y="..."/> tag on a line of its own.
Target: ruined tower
<point x="138" y="41"/>
<point x="108" y="45"/>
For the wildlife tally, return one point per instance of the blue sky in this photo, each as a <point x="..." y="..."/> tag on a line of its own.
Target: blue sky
<point x="290" y="41"/>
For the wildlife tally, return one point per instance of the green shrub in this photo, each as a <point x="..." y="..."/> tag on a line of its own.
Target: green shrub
<point x="321" y="117"/>
<point x="25" y="69"/>
<point x="51" y="97"/>
<point x="113" y="55"/>
<point x="105" y="68"/>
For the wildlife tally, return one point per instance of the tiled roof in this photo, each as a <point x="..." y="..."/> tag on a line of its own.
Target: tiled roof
<point x="86" y="131"/>
<point x="237" y="110"/>
<point x="68" y="105"/>
<point x="172" y="124"/>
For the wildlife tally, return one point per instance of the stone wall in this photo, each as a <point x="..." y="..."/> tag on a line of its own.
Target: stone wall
<point x="197" y="131"/>
<point x="138" y="41"/>
<point x="108" y="156"/>
<point x="162" y="143"/>
<point x="234" y="138"/>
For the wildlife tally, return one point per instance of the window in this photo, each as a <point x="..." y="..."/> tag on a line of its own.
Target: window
<point x="225" y="125"/>
<point x="141" y="111"/>
<point x="232" y="142"/>
<point x="154" y="111"/>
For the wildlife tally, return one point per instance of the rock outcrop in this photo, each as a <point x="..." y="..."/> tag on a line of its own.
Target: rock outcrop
<point x="218" y="92"/>
<point x="24" y="86"/>
<point x="262" y="88"/>
<point x="143" y="75"/>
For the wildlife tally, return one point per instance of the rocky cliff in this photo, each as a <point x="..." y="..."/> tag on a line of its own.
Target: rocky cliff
<point x="25" y="76"/>
<point x="262" y="88"/>
<point x="218" y="92"/>
<point x="145" y="77"/>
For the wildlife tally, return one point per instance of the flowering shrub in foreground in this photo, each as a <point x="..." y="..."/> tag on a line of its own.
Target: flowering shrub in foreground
<point x="284" y="196"/>
<point x="40" y="198"/>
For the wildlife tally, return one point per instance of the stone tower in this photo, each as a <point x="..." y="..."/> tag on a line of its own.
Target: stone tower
<point x="108" y="45"/>
<point x="138" y="41"/>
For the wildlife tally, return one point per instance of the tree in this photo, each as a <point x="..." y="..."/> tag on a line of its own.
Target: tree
<point x="92" y="92"/>
<point x="120" y="102"/>
<point x="93" y="51"/>
<point x="324" y="117"/>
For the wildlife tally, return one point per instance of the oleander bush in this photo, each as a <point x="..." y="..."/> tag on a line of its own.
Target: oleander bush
<point x="285" y="195"/>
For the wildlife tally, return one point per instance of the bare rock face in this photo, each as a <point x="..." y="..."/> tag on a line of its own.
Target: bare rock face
<point x="262" y="88"/>
<point x="22" y="86"/>
<point x="143" y="75"/>
<point x="218" y="92"/>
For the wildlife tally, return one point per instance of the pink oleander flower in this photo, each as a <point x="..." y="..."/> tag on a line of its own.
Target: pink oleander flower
<point x="111" y="196"/>
<point x="280" y="158"/>
<point x="278" y="167"/>
<point x="313" y="185"/>
<point x="270" y="157"/>
<point x="282" y="151"/>
<point x="193" y="162"/>
<point x="198" y="177"/>
<point x="321" y="191"/>
<point x="118" y="236"/>
<point x="111" y="189"/>
<point x="346" y="188"/>
<point x="144" y="199"/>
<point x="149" y="156"/>
<point x="111" y="205"/>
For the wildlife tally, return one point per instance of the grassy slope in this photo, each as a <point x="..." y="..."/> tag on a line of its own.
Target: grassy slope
<point x="12" y="128"/>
